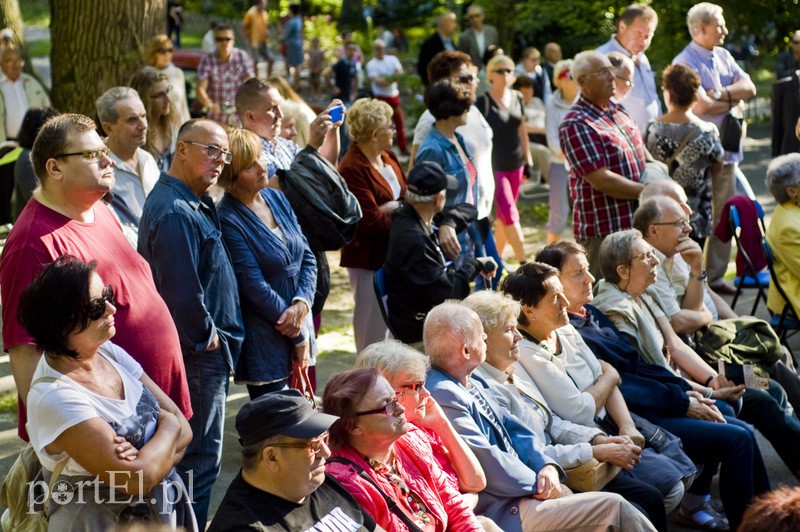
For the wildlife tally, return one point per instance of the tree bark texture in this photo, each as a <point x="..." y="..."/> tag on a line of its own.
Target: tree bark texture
<point x="10" y="17"/>
<point x="96" y="45"/>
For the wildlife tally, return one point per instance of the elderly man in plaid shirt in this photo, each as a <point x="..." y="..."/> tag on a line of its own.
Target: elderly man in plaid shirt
<point x="219" y="75"/>
<point x="605" y="153"/>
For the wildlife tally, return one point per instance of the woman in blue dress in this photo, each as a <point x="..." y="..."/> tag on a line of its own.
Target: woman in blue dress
<point x="275" y="270"/>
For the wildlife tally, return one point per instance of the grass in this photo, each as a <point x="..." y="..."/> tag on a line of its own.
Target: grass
<point x="8" y="403"/>
<point x="39" y="48"/>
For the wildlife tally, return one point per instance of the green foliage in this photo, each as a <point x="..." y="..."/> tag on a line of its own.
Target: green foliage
<point x="35" y="12"/>
<point x="8" y="403"/>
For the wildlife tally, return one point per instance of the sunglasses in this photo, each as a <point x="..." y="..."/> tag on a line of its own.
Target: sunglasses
<point x="468" y="78"/>
<point x="97" y="307"/>
<point x="315" y="445"/>
<point x="503" y="71"/>
<point x="388" y="409"/>
<point x="223" y="39"/>
<point x="165" y="50"/>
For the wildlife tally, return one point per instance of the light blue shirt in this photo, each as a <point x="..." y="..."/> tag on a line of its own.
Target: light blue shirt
<point x="642" y="101"/>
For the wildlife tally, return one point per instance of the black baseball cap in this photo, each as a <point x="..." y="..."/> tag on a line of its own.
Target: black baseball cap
<point x="428" y="178"/>
<point x="284" y="412"/>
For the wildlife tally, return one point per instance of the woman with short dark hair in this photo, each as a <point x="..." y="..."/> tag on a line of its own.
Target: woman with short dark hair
<point x="688" y="145"/>
<point x="93" y="414"/>
<point x="372" y="435"/>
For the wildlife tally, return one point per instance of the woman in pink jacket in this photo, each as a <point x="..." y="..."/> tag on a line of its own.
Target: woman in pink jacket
<point x="372" y="436"/>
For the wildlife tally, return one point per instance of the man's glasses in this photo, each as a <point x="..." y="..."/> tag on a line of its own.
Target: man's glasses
<point x="680" y="223"/>
<point x="97" y="307"/>
<point x="165" y="50"/>
<point x="162" y="94"/>
<point x="647" y="256"/>
<point x="89" y="155"/>
<point x="502" y="71"/>
<point x="467" y="78"/>
<point x="628" y="82"/>
<point x="315" y="445"/>
<point x="215" y="152"/>
<point x="388" y="409"/>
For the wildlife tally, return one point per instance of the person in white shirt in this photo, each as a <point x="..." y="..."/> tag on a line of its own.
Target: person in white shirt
<point x="18" y="93"/>
<point x="381" y="71"/>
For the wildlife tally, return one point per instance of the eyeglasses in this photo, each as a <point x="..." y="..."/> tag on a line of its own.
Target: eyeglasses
<point x="468" y="78"/>
<point x="162" y="94"/>
<point x="90" y="155"/>
<point x="165" y="50"/>
<point x="603" y="72"/>
<point x="628" y="82"/>
<point x="315" y="445"/>
<point x="680" y="223"/>
<point x="502" y="71"/>
<point x="414" y="387"/>
<point x="647" y="256"/>
<point x="223" y="39"/>
<point x="97" y="307"/>
<point x="215" y="152"/>
<point x="388" y="409"/>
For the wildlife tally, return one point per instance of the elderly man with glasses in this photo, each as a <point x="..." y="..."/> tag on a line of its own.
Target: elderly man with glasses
<point x="180" y="237"/>
<point x="282" y="484"/>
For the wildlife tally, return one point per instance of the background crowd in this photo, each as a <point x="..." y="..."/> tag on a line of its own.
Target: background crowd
<point x="181" y="236"/>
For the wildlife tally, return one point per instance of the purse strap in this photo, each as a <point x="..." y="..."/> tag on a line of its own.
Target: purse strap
<point x="686" y="138"/>
<point x="412" y="526"/>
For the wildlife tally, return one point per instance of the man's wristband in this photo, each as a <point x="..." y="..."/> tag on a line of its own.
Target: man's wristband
<point x="709" y="379"/>
<point x="702" y="277"/>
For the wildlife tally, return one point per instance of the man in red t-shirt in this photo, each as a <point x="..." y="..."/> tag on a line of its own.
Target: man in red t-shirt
<point x="66" y="216"/>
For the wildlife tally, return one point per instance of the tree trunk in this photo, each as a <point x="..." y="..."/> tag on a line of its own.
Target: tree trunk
<point x="10" y="17"/>
<point x="96" y="45"/>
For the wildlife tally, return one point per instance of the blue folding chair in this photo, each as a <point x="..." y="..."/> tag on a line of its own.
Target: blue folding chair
<point x="785" y="323"/>
<point x="750" y="278"/>
<point x="379" y="285"/>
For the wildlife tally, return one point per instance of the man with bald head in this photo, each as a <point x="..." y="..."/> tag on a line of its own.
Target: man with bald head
<point x="180" y="237"/>
<point x="478" y="37"/>
<point x="438" y="42"/>
<point x="605" y="154"/>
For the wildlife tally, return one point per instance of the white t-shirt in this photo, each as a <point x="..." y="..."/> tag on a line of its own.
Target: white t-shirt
<point x="388" y="174"/>
<point x="478" y="136"/>
<point x="388" y="66"/>
<point x="53" y="407"/>
<point x="16" y="104"/>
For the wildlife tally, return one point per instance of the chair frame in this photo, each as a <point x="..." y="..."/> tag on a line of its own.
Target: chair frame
<point x="783" y="327"/>
<point x="379" y="281"/>
<point x="750" y="272"/>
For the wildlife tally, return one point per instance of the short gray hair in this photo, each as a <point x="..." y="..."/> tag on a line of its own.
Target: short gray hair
<point x="447" y="327"/>
<point x="648" y="213"/>
<point x="582" y="64"/>
<point x="616" y="251"/>
<point x="783" y="172"/>
<point x="106" y="104"/>
<point x="493" y="308"/>
<point x="379" y="43"/>
<point x="418" y="198"/>
<point x="701" y="13"/>
<point x="392" y="357"/>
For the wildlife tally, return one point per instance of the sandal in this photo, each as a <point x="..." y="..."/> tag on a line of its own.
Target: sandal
<point x="693" y="518"/>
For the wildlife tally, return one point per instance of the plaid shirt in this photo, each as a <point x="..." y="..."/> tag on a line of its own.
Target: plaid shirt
<point x="224" y="80"/>
<point x="594" y="138"/>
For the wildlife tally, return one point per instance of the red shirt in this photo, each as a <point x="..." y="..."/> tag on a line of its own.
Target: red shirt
<point x="144" y="326"/>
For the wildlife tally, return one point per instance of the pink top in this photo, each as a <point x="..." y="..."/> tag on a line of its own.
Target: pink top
<point x="144" y="326"/>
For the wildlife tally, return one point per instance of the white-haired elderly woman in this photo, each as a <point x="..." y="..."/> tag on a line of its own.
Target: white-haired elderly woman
<point x="628" y="265"/>
<point x="405" y="369"/>
<point x="783" y="234"/>
<point x="294" y="124"/>
<point x="569" y="444"/>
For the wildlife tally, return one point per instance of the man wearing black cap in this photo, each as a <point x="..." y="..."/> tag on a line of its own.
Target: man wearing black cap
<point x="417" y="275"/>
<point x="282" y="484"/>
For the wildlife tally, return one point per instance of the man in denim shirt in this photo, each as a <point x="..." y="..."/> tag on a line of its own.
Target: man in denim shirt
<point x="180" y="237"/>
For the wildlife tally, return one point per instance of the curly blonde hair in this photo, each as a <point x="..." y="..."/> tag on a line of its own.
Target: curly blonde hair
<point x="366" y="116"/>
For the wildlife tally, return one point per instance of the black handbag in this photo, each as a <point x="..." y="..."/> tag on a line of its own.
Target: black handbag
<point x="730" y="133"/>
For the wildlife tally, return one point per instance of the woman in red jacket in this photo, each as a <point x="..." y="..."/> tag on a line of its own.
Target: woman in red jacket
<point x="374" y="176"/>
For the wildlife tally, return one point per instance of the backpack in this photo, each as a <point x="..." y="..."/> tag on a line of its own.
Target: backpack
<point x="21" y="514"/>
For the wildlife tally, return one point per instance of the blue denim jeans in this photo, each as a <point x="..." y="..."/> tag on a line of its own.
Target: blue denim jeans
<point x="207" y="374"/>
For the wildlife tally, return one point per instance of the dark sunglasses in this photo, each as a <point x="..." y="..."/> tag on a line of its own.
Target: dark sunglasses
<point x="502" y="71"/>
<point x="223" y="39"/>
<point x="97" y="307"/>
<point x="165" y="50"/>
<point x="467" y="78"/>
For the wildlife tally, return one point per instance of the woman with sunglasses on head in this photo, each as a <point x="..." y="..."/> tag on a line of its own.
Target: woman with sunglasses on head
<point x="275" y="269"/>
<point x="162" y="117"/>
<point x="158" y="54"/>
<point x="93" y="411"/>
<point x="373" y="435"/>
<point x="557" y="107"/>
<point x="504" y="111"/>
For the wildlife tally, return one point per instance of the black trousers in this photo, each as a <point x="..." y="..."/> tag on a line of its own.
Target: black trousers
<point x="645" y="497"/>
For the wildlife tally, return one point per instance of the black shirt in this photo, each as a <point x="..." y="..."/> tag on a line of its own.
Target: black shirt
<point x="330" y="508"/>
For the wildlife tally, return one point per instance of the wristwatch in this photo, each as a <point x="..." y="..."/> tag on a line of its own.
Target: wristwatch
<point x="717" y="95"/>
<point x="702" y="277"/>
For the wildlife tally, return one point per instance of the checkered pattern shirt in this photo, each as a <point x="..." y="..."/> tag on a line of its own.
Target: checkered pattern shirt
<point x="594" y="138"/>
<point x="224" y="79"/>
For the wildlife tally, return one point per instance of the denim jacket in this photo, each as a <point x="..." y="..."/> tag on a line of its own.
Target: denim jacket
<point x="180" y="237"/>
<point x="438" y="149"/>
